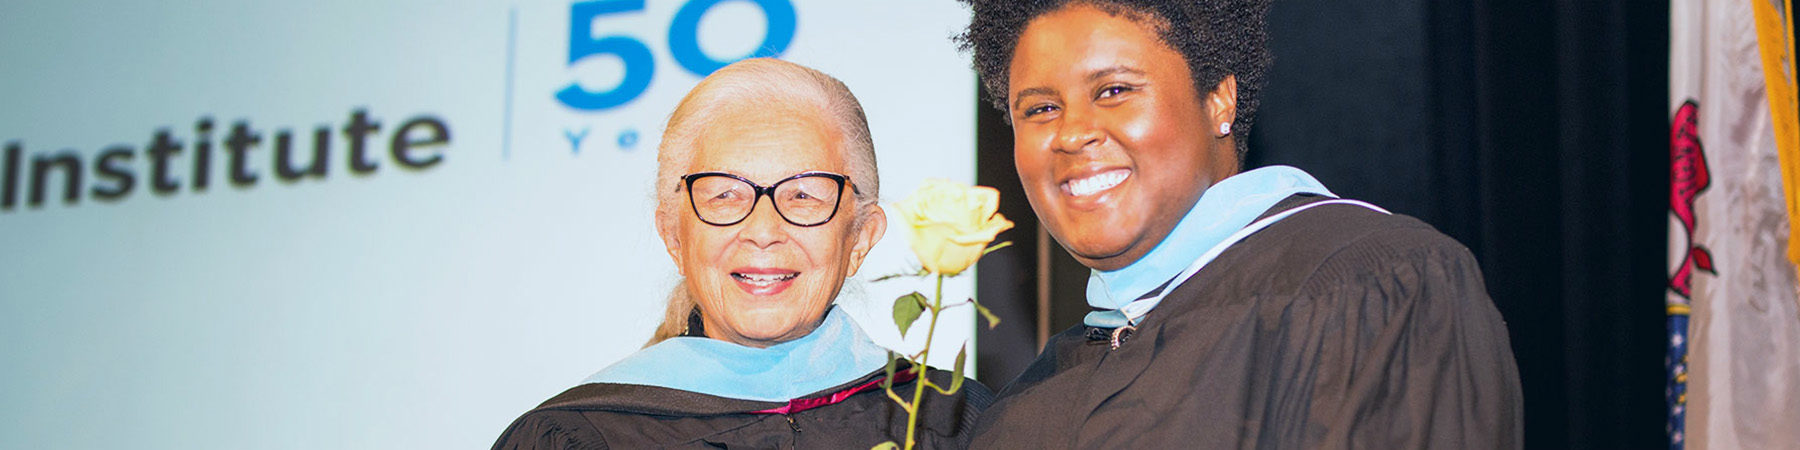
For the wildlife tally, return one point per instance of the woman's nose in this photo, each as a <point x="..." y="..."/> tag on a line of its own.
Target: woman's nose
<point x="764" y="227"/>
<point x="1076" y="130"/>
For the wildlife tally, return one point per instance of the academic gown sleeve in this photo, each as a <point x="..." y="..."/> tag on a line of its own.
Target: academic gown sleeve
<point x="1419" y="357"/>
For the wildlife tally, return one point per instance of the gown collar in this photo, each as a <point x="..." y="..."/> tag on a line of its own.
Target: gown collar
<point x="835" y="353"/>
<point x="1223" y="209"/>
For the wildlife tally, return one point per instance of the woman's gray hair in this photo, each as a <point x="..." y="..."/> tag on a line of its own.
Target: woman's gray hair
<point x="755" y="83"/>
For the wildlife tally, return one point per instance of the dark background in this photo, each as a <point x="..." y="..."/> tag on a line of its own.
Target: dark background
<point x="1534" y="132"/>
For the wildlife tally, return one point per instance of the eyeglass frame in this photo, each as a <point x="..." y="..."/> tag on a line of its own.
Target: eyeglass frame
<point x="842" y="180"/>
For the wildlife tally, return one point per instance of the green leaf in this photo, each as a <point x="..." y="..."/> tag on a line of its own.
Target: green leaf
<point x="992" y="320"/>
<point x="907" y="309"/>
<point x="885" y="446"/>
<point x="956" y="376"/>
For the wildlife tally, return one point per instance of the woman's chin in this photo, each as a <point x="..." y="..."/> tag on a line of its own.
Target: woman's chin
<point x="1096" y="236"/>
<point x="773" y="330"/>
<point x="1092" y="249"/>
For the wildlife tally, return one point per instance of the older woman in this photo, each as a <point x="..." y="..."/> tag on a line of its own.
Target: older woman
<point x="1233" y="310"/>
<point x="766" y="199"/>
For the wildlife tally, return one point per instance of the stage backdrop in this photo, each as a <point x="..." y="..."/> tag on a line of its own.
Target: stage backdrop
<point x="345" y="224"/>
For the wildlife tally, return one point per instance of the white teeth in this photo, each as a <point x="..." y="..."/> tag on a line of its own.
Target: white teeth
<point x="1097" y="183"/>
<point x="764" y="279"/>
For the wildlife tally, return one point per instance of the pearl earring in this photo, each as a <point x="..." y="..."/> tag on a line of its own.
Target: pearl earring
<point x="1224" y="129"/>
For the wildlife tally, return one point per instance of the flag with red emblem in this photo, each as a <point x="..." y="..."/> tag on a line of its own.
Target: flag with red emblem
<point x="1732" y="298"/>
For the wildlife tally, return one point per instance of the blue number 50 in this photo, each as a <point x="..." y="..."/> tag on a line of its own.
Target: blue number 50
<point x="684" y="46"/>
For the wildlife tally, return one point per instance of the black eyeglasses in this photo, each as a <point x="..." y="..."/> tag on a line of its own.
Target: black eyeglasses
<point x="722" y="199"/>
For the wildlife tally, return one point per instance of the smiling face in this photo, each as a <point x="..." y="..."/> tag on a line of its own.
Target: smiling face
<point x="764" y="281"/>
<point x="1113" y="143"/>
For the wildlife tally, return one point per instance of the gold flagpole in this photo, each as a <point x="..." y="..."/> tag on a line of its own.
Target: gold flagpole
<point x="1774" y="39"/>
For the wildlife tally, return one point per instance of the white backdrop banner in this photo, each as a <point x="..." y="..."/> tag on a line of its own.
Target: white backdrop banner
<point x="399" y="224"/>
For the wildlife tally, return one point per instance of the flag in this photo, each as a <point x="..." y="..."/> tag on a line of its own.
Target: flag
<point x="1732" y="299"/>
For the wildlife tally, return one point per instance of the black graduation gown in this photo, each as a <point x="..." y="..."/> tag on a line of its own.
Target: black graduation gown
<point x="622" y="416"/>
<point x="1338" y="327"/>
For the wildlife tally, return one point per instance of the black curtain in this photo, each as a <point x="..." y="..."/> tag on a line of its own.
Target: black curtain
<point x="1534" y="132"/>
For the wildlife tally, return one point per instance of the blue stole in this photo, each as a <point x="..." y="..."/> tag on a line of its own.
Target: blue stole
<point x="835" y="353"/>
<point x="1122" y="296"/>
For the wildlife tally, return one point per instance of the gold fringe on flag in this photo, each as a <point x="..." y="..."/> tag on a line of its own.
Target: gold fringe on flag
<point x="1774" y="38"/>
